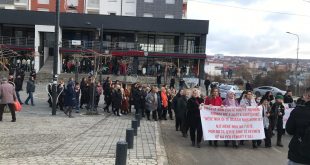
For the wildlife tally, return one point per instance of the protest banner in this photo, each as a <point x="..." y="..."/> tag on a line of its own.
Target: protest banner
<point x="232" y="123"/>
<point x="286" y="114"/>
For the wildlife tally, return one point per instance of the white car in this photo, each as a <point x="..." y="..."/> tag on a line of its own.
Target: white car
<point x="260" y="91"/>
<point x="225" y="88"/>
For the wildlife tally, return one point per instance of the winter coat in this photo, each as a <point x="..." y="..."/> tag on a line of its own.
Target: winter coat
<point x="150" y="103"/>
<point x="275" y="118"/>
<point x="193" y="113"/>
<point x="180" y="107"/>
<point x="217" y="101"/>
<point x="296" y="124"/>
<point x="7" y="93"/>
<point x="266" y="122"/>
<point x="69" y="96"/>
<point x="30" y="86"/>
<point x="18" y="84"/>
<point x="117" y="99"/>
<point x="164" y="99"/>
<point x="288" y="99"/>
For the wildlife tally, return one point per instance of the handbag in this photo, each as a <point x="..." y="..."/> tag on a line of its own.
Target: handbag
<point x="17" y="106"/>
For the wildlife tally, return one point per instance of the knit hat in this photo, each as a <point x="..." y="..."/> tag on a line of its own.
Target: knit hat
<point x="279" y="97"/>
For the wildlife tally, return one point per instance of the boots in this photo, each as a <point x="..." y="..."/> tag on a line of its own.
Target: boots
<point x="279" y="141"/>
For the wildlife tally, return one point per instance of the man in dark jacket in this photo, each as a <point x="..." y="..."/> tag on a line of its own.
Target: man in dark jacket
<point x="298" y="125"/>
<point x="158" y="80"/>
<point x="69" y="101"/>
<point x="107" y="92"/>
<point x="30" y="89"/>
<point x="18" y="87"/>
<point x="138" y="98"/>
<point x="172" y="82"/>
<point x="288" y="97"/>
<point x="117" y="100"/>
<point x="207" y="84"/>
<point x="276" y="118"/>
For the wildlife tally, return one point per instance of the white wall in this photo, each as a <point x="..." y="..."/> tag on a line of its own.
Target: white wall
<point x="38" y="29"/>
<point x="129" y="8"/>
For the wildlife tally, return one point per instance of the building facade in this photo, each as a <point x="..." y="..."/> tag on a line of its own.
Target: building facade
<point x="72" y="6"/>
<point x="137" y="45"/>
<point x="15" y="4"/>
<point x="160" y="8"/>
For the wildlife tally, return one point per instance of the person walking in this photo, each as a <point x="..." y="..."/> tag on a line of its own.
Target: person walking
<point x="207" y="84"/>
<point x="158" y="80"/>
<point x="69" y="100"/>
<point x="30" y="89"/>
<point x="61" y="94"/>
<point x="151" y="103"/>
<point x="18" y="87"/>
<point x="193" y="105"/>
<point x="77" y="92"/>
<point x="298" y="125"/>
<point x="164" y="101"/>
<point x="215" y="100"/>
<point x="230" y="101"/>
<point x="172" y="82"/>
<point x="7" y="98"/>
<point x="117" y="100"/>
<point x="249" y="101"/>
<point x="276" y="118"/>
<point x="179" y="105"/>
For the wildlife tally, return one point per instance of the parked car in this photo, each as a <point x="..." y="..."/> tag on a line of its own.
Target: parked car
<point x="225" y="88"/>
<point x="260" y="91"/>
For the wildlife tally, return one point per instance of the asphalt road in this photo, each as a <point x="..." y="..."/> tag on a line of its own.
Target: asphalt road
<point x="180" y="151"/>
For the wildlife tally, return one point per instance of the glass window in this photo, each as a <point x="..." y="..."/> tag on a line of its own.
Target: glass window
<point x="148" y="1"/>
<point x="43" y="9"/>
<point x="72" y="2"/>
<point x="170" y="1"/>
<point x="93" y="3"/>
<point x="147" y="15"/>
<point x="43" y="1"/>
<point x="169" y="16"/>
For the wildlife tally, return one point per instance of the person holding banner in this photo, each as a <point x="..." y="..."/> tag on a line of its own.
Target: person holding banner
<point x="276" y="118"/>
<point x="193" y="106"/>
<point x="214" y="100"/>
<point x="264" y="103"/>
<point x="231" y="101"/>
<point x="249" y="101"/>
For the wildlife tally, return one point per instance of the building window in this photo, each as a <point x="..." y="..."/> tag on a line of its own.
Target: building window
<point x="43" y="1"/>
<point x="112" y="13"/>
<point x="129" y="13"/>
<point x="170" y="1"/>
<point x="148" y="1"/>
<point x="43" y="9"/>
<point x="169" y="16"/>
<point x="130" y="1"/>
<point x="147" y="15"/>
<point x="112" y="0"/>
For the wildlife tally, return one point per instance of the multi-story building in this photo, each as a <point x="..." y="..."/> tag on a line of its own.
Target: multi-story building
<point x="72" y="6"/>
<point x="153" y="43"/>
<point x="14" y="4"/>
<point x="160" y="8"/>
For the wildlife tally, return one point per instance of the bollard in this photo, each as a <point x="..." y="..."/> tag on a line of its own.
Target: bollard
<point x="134" y="126"/>
<point x="129" y="137"/>
<point x="121" y="153"/>
<point x="138" y="119"/>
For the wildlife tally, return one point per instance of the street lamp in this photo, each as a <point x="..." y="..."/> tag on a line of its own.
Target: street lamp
<point x="297" y="60"/>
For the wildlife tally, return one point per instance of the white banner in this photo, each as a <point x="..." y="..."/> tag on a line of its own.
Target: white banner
<point x="232" y="123"/>
<point x="286" y="114"/>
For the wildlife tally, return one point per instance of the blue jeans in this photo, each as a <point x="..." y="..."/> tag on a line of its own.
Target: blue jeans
<point x="18" y="97"/>
<point x="77" y="105"/>
<point x="30" y="97"/>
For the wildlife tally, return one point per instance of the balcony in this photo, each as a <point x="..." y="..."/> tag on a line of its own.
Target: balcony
<point x="93" y="6"/>
<point x="17" y="41"/>
<point x="131" y="46"/>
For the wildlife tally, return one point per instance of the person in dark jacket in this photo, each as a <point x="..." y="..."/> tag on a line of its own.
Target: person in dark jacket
<point x="276" y="118"/>
<point x="117" y="100"/>
<point x="83" y="86"/>
<point x="33" y="74"/>
<point x="91" y="94"/>
<point x="138" y="98"/>
<point x="77" y="92"/>
<point x="288" y="97"/>
<point x="297" y="125"/>
<point x="181" y="83"/>
<point x="179" y="105"/>
<point x="69" y="101"/>
<point x="107" y="92"/>
<point x="158" y="80"/>
<point x="18" y="87"/>
<point x="193" y="105"/>
<point x="248" y="86"/>
<point x="30" y="89"/>
<point x="172" y="82"/>
<point x="207" y="84"/>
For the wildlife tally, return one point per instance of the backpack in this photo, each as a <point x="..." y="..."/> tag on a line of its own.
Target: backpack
<point x="304" y="140"/>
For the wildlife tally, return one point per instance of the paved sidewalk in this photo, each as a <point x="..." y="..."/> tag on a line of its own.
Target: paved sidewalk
<point x="40" y="138"/>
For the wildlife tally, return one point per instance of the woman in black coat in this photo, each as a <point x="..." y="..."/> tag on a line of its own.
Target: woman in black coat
<point x="117" y="100"/>
<point x="69" y="99"/>
<point x="194" y="117"/>
<point x="179" y="105"/>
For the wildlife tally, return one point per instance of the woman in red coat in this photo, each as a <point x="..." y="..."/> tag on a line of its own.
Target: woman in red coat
<point x="214" y="100"/>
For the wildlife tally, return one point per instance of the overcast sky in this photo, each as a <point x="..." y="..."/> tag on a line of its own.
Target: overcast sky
<point x="252" y="32"/>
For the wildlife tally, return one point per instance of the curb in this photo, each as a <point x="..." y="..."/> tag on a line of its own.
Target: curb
<point x="162" y="158"/>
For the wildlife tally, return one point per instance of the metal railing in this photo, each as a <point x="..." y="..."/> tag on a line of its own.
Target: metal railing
<point x="125" y="46"/>
<point x="17" y="41"/>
